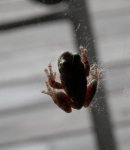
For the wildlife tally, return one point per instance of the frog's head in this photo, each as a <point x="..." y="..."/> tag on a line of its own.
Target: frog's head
<point x="66" y="61"/>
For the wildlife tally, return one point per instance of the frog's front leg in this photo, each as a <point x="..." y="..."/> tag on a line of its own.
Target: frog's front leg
<point x="51" y="78"/>
<point x="60" y="98"/>
<point x="93" y="78"/>
<point x="84" y="59"/>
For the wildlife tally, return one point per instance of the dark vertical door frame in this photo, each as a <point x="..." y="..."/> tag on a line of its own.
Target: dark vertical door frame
<point x="79" y="15"/>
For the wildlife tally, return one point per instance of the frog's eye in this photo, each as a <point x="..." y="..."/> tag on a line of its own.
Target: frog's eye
<point x="64" y="65"/>
<point x="62" y="61"/>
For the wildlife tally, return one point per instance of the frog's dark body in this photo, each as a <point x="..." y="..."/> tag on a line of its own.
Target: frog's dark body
<point x="73" y="77"/>
<point x="74" y="70"/>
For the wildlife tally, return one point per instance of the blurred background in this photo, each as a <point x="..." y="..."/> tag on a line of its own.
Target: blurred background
<point x="34" y="34"/>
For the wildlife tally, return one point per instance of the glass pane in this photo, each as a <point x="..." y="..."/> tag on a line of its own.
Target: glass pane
<point x="111" y="21"/>
<point x="26" y="114"/>
<point x="14" y="10"/>
<point x="24" y="56"/>
<point x="70" y="143"/>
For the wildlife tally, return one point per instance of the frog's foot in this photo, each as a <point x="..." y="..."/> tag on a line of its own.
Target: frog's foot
<point x="59" y="98"/>
<point x="84" y="59"/>
<point x="83" y="54"/>
<point x="50" y="91"/>
<point x="93" y="78"/>
<point x="95" y="73"/>
<point x="51" y="78"/>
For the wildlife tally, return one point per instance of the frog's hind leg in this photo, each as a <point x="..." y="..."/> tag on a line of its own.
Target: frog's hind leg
<point x="60" y="98"/>
<point x="51" y="78"/>
<point x="91" y="90"/>
<point x="92" y="84"/>
<point x="84" y="59"/>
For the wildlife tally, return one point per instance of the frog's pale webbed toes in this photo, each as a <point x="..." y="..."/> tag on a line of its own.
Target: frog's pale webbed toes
<point x="95" y="73"/>
<point x="51" y="73"/>
<point x="83" y="54"/>
<point x="84" y="59"/>
<point x="51" y="78"/>
<point x="50" y="91"/>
